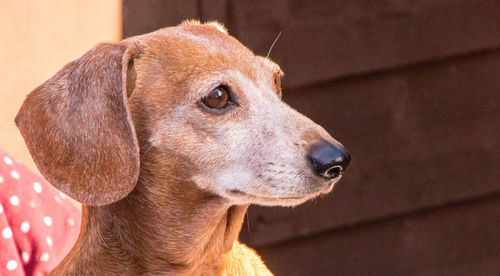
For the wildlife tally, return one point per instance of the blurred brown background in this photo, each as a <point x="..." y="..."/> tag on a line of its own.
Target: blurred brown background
<point x="410" y="87"/>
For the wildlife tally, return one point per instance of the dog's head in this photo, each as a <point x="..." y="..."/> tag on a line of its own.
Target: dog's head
<point x="190" y="97"/>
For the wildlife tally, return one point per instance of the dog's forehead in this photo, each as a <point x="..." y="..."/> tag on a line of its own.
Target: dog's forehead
<point x="203" y="48"/>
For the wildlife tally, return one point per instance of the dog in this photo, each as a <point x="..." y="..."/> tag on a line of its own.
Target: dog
<point x="166" y="138"/>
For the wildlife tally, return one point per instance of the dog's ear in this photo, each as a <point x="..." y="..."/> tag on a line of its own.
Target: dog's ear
<point x="78" y="128"/>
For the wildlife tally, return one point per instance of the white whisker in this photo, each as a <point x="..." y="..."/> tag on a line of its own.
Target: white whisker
<point x="275" y="40"/>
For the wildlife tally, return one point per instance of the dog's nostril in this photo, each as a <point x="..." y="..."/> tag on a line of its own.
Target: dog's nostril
<point x="328" y="160"/>
<point x="334" y="172"/>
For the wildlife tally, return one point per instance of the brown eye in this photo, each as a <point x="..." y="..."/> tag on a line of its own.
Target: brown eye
<point x="217" y="98"/>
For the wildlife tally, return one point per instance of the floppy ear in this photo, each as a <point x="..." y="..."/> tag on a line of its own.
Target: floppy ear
<point x="78" y="128"/>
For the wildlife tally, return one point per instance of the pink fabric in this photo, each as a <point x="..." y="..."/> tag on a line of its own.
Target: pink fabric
<point x="38" y="224"/>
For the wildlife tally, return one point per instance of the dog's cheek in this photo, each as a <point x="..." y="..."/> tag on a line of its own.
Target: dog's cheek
<point x="194" y="144"/>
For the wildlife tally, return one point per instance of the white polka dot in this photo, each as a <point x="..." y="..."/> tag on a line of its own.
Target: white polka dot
<point x="14" y="174"/>
<point x="14" y="200"/>
<point x="70" y="221"/>
<point x="62" y="195"/>
<point x="58" y="199"/>
<point x="47" y="221"/>
<point x="7" y="160"/>
<point x="48" y="240"/>
<point x="44" y="257"/>
<point x="25" y="227"/>
<point x="26" y="257"/>
<point x="37" y="187"/>
<point x="11" y="265"/>
<point x="1" y="208"/>
<point x="7" y="233"/>
<point x="1" y="179"/>
<point x="32" y="203"/>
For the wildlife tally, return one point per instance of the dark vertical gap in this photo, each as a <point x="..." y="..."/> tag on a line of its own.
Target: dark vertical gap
<point x="124" y="18"/>
<point x="199" y="10"/>
<point x="231" y="26"/>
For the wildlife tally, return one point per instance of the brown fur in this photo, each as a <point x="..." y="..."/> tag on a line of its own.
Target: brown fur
<point x="166" y="184"/>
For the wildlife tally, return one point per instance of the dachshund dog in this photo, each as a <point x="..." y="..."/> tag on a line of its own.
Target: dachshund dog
<point x="166" y="138"/>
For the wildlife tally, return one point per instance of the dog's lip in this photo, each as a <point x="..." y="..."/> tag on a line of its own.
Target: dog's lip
<point x="238" y="192"/>
<point x="326" y="187"/>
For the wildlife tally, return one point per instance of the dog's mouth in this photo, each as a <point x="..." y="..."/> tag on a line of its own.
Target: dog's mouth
<point x="284" y="200"/>
<point x="319" y="188"/>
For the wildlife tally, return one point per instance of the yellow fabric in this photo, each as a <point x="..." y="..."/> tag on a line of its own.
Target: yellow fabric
<point x="242" y="260"/>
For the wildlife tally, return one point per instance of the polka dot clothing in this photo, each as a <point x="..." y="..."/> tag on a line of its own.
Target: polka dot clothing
<point x="38" y="224"/>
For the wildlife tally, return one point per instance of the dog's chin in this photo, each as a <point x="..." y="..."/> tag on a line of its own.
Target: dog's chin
<point x="242" y="197"/>
<point x="282" y="201"/>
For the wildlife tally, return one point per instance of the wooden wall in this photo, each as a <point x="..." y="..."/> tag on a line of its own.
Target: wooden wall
<point x="412" y="89"/>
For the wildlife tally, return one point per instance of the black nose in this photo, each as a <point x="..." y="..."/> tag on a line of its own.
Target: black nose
<point x="328" y="160"/>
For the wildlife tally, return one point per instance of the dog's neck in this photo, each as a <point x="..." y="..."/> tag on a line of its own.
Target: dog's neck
<point x="187" y="232"/>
